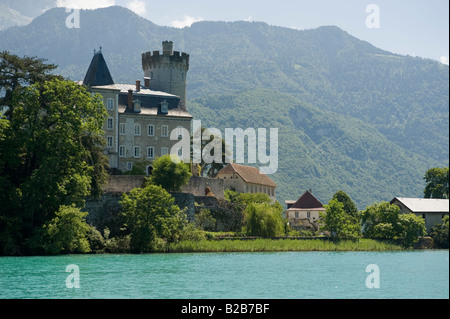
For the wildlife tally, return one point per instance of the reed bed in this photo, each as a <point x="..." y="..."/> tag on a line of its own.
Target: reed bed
<point x="273" y="245"/>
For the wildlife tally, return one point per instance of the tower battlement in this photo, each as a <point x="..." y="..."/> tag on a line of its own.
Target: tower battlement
<point x="155" y="59"/>
<point x="167" y="71"/>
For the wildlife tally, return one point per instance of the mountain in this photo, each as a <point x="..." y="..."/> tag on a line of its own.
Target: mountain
<point x="350" y="116"/>
<point x="10" y="17"/>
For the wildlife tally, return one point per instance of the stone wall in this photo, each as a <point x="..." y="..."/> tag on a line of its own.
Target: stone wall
<point x="197" y="186"/>
<point x="229" y="216"/>
<point x="106" y="212"/>
<point x="119" y="184"/>
<point x="185" y="200"/>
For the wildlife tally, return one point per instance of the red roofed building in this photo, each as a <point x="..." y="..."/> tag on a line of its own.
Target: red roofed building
<point x="246" y="179"/>
<point x="304" y="213"/>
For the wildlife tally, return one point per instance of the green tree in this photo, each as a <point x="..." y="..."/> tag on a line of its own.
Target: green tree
<point x="349" y="205"/>
<point x="381" y="221"/>
<point x="264" y="220"/>
<point x="413" y="227"/>
<point x="51" y="155"/>
<point x="384" y="221"/>
<point x="67" y="232"/>
<point x="340" y="224"/>
<point x="17" y="73"/>
<point x="205" y="220"/>
<point x="170" y="174"/>
<point x="210" y="169"/>
<point x="247" y="198"/>
<point x="152" y="219"/>
<point x="436" y="183"/>
<point x="439" y="233"/>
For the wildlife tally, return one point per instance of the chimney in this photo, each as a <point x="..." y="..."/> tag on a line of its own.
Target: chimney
<point x="138" y="85"/>
<point x="130" y="100"/>
<point x="147" y="82"/>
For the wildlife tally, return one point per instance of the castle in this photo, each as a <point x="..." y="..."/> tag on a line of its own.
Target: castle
<point x="142" y="115"/>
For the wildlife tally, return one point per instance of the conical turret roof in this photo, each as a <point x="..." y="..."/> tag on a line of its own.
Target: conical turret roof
<point x="98" y="72"/>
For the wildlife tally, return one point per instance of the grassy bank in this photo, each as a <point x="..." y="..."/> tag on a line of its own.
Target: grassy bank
<point x="272" y="245"/>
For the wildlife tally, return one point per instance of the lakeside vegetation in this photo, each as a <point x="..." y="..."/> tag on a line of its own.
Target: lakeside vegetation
<point x="280" y="245"/>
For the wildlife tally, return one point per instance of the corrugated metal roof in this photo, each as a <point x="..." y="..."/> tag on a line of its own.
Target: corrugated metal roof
<point x="125" y="87"/>
<point x="424" y="205"/>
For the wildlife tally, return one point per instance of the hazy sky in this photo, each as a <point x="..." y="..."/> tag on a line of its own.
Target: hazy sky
<point x="414" y="27"/>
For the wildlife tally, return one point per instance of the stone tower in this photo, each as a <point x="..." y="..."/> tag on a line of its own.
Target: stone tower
<point x="166" y="72"/>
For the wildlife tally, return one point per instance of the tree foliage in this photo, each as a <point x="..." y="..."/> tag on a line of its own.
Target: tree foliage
<point x="170" y="174"/>
<point x="67" y="232"/>
<point x="384" y="221"/>
<point x="437" y="180"/>
<point x="439" y="233"/>
<point x="246" y="198"/>
<point x="17" y="73"/>
<point x="152" y="219"/>
<point x="51" y="149"/>
<point x="338" y="222"/>
<point x="265" y="220"/>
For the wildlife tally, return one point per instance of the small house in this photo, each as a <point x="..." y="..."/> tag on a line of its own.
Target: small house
<point x="304" y="213"/>
<point x="246" y="179"/>
<point x="432" y="210"/>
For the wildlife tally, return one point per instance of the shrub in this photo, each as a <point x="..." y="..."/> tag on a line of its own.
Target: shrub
<point x="264" y="220"/>
<point x="205" y="220"/>
<point x="151" y="218"/>
<point x="67" y="232"/>
<point x="439" y="233"/>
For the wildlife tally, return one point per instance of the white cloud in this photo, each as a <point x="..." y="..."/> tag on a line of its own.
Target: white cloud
<point x="249" y="19"/>
<point x="444" y="60"/>
<point x="85" y="4"/>
<point x="138" y="6"/>
<point x="187" y="22"/>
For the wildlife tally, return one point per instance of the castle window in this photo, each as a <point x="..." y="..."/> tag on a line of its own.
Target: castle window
<point x="110" y="123"/>
<point x="150" y="152"/>
<point x="109" y="140"/>
<point x="121" y="151"/>
<point x="151" y="130"/>
<point x="129" y="166"/>
<point x="296" y="214"/>
<point x="137" y="152"/>
<point x="110" y="104"/>
<point x="122" y="128"/>
<point x="164" y="151"/>
<point x="137" y="129"/>
<point x="164" y="131"/>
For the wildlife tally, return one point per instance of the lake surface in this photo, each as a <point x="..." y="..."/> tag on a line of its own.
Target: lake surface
<point x="285" y="275"/>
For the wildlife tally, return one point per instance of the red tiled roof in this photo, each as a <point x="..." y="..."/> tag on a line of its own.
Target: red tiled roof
<point x="249" y="174"/>
<point x="307" y="201"/>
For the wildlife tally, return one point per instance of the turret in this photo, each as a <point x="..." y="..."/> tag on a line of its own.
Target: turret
<point x="166" y="72"/>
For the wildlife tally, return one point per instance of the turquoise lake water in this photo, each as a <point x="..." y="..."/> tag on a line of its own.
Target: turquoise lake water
<point x="285" y="275"/>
